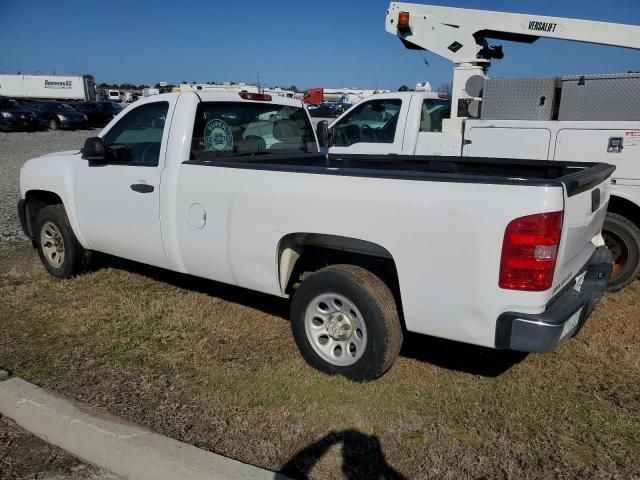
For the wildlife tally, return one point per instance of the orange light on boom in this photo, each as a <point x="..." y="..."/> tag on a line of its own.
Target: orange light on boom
<point x="403" y="19"/>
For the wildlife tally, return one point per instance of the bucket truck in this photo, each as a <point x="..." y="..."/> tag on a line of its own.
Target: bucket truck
<point x="583" y="118"/>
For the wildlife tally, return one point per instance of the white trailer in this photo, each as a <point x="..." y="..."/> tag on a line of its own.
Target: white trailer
<point x="48" y="87"/>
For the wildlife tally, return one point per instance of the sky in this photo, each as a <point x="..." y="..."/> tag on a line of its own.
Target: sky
<point x="328" y="43"/>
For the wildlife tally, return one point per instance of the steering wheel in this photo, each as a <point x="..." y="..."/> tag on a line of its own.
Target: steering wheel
<point x="150" y="154"/>
<point x="352" y="134"/>
<point x="367" y="133"/>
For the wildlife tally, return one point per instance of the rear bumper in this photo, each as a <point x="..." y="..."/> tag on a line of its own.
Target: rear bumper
<point x="565" y="315"/>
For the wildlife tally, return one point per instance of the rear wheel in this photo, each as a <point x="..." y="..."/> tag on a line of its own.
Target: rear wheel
<point x="345" y="321"/>
<point x="622" y="238"/>
<point x="54" y="124"/>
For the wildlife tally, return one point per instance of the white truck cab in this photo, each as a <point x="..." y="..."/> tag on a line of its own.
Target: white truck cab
<point x="398" y="123"/>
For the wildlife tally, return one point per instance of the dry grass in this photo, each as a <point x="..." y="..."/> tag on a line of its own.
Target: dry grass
<point x="215" y="366"/>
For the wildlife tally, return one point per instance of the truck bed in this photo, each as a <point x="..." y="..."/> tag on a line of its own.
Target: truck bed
<point x="574" y="176"/>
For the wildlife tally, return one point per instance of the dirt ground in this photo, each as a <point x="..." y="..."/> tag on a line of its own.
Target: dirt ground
<point x="215" y="366"/>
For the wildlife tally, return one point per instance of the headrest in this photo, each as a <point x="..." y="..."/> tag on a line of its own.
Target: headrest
<point x="286" y="130"/>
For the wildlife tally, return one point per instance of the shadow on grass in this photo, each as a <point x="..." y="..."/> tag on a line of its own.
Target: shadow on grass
<point x="459" y="356"/>
<point x="443" y="353"/>
<point x="362" y="458"/>
<point x="260" y="301"/>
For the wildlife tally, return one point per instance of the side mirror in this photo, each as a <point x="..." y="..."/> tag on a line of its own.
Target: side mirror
<point x="322" y="131"/>
<point x="94" y="150"/>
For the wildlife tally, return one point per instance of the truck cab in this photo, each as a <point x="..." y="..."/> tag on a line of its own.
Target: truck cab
<point x="398" y="123"/>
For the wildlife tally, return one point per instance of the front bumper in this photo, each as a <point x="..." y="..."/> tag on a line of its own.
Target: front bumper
<point x="17" y="124"/>
<point x="565" y="315"/>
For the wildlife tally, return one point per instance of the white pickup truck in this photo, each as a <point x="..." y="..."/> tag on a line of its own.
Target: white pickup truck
<point x="411" y="123"/>
<point x="230" y="187"/>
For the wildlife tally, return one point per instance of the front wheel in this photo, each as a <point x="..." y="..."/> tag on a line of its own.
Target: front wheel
<point x="345" y="321"/>
<point x="58" y="248"/>
<point x="622" y="238"/>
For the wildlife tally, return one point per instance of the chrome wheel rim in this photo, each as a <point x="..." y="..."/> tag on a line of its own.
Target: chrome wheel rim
<point x="335" y="329"/>
<point x="52" y="244"/>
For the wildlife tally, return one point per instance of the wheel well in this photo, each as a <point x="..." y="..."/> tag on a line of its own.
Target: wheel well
<point x="301" y="254"/>
<point x="625" y="208"/>
<point x="36" y="200"/>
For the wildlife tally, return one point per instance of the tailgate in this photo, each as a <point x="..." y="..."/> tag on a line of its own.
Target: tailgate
<point x="586" y="197"/>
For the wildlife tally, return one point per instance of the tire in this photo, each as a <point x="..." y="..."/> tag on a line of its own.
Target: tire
<point x="622" y="237"/>
<point x="58" y="248"/>
<point x="54" y="124"/>
<point x="359" y="322"/>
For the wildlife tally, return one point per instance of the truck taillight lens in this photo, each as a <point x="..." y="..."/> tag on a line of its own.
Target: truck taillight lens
<point x="530" y="251"/>
<point x="255" y="96"/>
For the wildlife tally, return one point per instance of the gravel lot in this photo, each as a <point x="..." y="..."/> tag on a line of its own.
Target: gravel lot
<point x="15" y="149"/>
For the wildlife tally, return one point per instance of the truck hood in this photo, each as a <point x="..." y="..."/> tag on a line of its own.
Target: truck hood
<point x="66" y="153"/>
<point x="71" y="115"/>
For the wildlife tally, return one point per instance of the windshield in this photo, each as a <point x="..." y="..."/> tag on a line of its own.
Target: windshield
<point x="6" y="103"/>
<point x="227" y="129"/>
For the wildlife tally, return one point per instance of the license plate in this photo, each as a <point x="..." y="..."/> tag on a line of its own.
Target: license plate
<point x="570" y="324"/>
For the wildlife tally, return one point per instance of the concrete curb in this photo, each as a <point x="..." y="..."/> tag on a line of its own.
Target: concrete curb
<point x="123" y="448"/>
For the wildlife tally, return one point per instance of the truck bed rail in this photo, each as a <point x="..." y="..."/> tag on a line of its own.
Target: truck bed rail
<point x="575" y="176"/>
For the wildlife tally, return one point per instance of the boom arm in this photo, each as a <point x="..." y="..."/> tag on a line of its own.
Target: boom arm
<point x="460" y="35"/>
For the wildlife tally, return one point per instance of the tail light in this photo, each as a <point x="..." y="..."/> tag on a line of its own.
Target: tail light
<point x="256" y="96"/>
<point x="530" y="251"/>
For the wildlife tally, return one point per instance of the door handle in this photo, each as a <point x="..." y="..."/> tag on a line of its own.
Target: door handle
<point x="142" y="188"/>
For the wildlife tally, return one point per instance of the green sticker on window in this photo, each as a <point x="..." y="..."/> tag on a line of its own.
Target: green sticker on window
<point x="218" y="137"/>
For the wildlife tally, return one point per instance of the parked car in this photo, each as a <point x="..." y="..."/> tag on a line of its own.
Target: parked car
<point x="57" y="115"/>
<point x="109" y="106"/>
<point x="99" y="113"/>
<point x="329" y="110"/>
<point x="115" y="95"/>
<point x="241" y="199"/>
<point x="14" y="116"/>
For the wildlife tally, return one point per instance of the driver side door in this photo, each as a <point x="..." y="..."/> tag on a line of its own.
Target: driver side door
<point x="118" y="201"/>
<point x="373" y="127"/>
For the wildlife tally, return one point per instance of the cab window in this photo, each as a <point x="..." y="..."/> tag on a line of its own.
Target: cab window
<point x="433" y="112"/>
<point x="137" y="137"/>
<point x="372" y="122"/>
<point x="240" y="129"/>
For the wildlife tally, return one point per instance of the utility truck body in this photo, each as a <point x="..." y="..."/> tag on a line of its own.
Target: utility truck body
<point x="230" y="187"/>
<point x="577" y="119"/>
